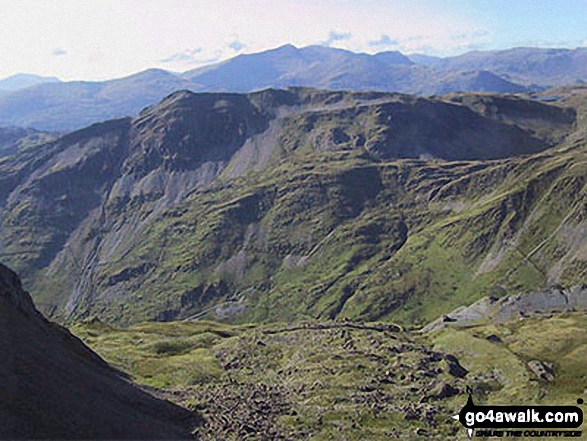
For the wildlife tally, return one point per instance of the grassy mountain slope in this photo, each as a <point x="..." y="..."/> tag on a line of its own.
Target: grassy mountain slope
<point x="382" y="250"/>
<point x="303" y="203"/>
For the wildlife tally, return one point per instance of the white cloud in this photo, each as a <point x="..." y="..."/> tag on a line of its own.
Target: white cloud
<point x="189" y="56"/>
<point x="113" y="38"/>
<point x="237" y="46"/>
<point x="385" y="41"/>
<point x="334" y="37"/>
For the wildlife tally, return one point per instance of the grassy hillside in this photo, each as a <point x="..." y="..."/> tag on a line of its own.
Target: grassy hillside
<point x="344" y="379"/>
<point x="281" y="205"/>
<point x="338" y="235"/>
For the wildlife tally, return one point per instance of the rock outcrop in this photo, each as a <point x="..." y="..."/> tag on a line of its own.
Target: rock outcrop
<point x="546" y="301"/>
<point x="542" y="370"/>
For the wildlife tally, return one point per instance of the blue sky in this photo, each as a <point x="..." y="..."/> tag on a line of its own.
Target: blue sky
<point x="528" y="22"/>
<point x="99" y="39"/>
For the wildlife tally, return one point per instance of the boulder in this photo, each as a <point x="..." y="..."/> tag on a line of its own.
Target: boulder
<point x="454" y="367"/>
<point x="543" y="370"/>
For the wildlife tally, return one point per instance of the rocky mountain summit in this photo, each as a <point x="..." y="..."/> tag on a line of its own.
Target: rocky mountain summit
<point x="55" y="387"/>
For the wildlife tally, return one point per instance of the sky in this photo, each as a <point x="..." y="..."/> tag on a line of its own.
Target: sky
<point x="102" y="39"/>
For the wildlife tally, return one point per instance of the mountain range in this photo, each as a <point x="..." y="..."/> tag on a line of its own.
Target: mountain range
<point x="283" y="204"/>
<point x="75" y="104"/>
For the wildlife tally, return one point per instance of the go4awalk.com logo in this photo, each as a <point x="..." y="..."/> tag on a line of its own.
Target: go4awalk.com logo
<point x="521" y="421"/>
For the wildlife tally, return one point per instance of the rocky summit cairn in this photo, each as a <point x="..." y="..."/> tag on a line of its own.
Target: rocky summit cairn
<point x="54" y="387"/>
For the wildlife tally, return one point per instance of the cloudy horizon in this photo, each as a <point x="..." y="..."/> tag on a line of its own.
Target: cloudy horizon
<point x="103" y="39"/>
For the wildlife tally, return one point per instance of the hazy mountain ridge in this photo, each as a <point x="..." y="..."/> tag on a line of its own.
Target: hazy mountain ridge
<point x="525" y="65"/>
<point x="262" y="198"/>
<point x="15" y="139"/>
<point x="22" y="81"/>
<point x="330" y="68"/>
<point x="76" y="104"/>
<point x="73" y="105"/>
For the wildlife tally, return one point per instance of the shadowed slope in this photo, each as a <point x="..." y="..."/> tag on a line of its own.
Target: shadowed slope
<point x="55" y="387"/>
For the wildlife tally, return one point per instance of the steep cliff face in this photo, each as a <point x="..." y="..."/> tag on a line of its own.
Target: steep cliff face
<point x="55" y="387"/>
<point x="254" y="200"/>
<point x="66" y="209"/>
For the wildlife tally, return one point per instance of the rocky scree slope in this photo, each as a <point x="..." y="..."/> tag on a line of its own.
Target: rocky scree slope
<point x="55" y="387"/>
<point x="281" y="204"/>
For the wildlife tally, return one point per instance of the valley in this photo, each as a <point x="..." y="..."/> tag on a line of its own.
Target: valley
<point x="293" y="221"/>
<point x="307" y="264"/>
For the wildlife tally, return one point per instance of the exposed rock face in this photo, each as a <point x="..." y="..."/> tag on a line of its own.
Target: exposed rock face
<point x="454" y="367"/>
<point x="494" y="338"/>
<point x="55" y="387"/>
<point x="554" y="299"/>
<point x="445" y="390"/>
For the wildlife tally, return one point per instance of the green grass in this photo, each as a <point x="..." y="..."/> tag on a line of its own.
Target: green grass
<point x="344" y="216"/>
<point x="160" y="355"/>
<point x="560" y="340"/>
<point x="327" y="383"/>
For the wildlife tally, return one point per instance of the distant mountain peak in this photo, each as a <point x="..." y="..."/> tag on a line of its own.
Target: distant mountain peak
<point x="286" y="48"/>
<point x="22" y="76"/>
<point x="24" y="80"/>
<point x="149" y="73"/>
<point x="393" y="57"/>
<point x="75" y="104"/>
